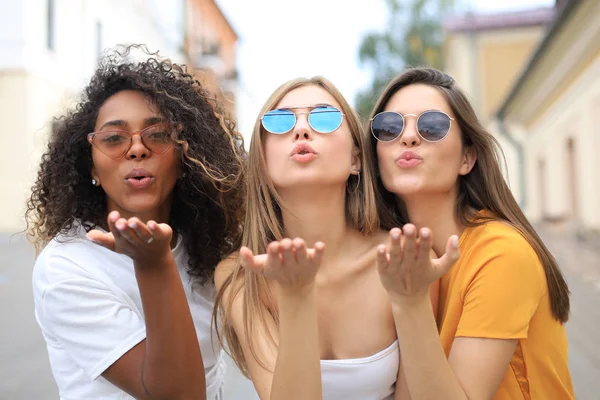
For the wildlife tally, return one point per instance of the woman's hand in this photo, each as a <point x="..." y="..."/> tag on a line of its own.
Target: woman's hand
<point x="287" y="262"/>
<point x="146" y="244"/>
<point x="405" y="266"/>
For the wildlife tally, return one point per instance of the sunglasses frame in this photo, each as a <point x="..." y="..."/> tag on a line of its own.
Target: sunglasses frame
<point x="90" y="138"/>
<point x="295" y="114"/>
<point x="416" y="125"/>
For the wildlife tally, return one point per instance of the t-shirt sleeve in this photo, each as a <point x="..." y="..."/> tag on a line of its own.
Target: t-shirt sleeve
<point x="90" y="322"/>
<point x="505" y="290"/>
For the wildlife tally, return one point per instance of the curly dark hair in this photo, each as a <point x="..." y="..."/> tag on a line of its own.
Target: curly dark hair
<point x="208" y="202"/>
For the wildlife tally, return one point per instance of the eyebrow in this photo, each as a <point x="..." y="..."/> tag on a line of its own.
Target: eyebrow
<point x="318" y="105"/>
<point x="119" y="123"/>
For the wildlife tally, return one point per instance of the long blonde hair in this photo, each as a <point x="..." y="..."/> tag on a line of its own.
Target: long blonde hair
<point x="482" y="188"/>
<point x="264" y="224"/>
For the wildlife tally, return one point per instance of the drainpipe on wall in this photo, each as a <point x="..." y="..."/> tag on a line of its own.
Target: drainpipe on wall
<point x="520" y="159"/>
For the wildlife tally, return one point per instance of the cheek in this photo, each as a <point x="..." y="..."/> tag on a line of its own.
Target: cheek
<point x="274" y="153"/>
<point x="170" y="164"/>
<point x="385" y="157"/>
<point x="104" y="167"/>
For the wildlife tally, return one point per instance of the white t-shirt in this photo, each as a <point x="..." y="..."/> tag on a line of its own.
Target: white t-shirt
<point x="88" y="305"/>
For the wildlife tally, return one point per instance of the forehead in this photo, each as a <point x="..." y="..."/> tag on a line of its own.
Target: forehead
<point x="306" y="96"/>
<point x="417" y="98"/>
<point x="127" y="105"/>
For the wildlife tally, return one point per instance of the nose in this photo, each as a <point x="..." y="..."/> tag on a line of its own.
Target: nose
<point x="302" y="129"/>
<point x="410" y="137"/>
<point x="137" y="150"/>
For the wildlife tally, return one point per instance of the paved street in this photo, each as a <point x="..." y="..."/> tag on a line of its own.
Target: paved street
<point x="25" y="374"/>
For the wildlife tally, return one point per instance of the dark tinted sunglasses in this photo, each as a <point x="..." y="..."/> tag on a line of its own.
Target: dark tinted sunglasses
<point x="324" y="119"/>
<point x="432" y="125"/>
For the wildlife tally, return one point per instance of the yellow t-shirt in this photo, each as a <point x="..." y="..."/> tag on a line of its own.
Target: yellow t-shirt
<point x="497" y="289"/>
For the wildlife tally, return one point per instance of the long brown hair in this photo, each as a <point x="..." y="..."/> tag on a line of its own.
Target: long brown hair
<point x="483" y="188"/>
<point x="264" y="224"/>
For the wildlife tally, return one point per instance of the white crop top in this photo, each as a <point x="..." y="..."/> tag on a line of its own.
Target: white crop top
<point x="368" y="378"/>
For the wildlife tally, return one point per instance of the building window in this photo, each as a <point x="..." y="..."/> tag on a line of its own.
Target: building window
<point x="99" y="46"/>
<point x="50" y="25"/>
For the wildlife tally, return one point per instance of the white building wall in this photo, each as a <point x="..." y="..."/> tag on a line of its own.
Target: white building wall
<point x="37" y="83"/>
<point x="575" y="114"/>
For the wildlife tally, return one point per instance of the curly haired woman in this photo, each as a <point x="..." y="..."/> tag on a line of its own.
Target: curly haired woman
<point x="137" y="199"/>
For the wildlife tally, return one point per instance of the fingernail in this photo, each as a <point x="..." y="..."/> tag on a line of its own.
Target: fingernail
<point x="120" y="226"/>
<point x="395" y="235"/>
<point x="132" y="225"/>
<point x="425" y="234"/>
<point x="454" y="241"/>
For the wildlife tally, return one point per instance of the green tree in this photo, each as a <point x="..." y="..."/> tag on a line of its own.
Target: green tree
<point x="413" y="37"/>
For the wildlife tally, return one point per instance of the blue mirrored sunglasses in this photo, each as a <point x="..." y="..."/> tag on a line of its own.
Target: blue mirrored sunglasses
<point x="324" y="119"/>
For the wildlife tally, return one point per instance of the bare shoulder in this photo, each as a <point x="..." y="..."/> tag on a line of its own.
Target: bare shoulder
<point x="224" y="270"/>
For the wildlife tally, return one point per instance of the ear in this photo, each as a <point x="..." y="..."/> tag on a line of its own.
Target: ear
<point x="355" y="163"/>
<point x="468" y="160"/>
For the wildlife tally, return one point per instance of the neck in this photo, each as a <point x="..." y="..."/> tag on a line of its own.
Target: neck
<point x="317" y="214"/>
<point x="442" y="221"/>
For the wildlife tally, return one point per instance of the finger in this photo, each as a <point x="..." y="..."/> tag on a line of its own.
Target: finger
<point x="424" y="244"/>
<point x="126" y="232"/>
<point x="382" y="258"/>
<point x="395" y="246"/>
<point x="141" y="230"/>
<point x="112" y="226"/>
<point x="445" y="262"/>
<point x="409" y="250"/>
<point x="250" y="262"/>
<point x="273" y="255"/>
<point x="300" y="250"/>
<point x="160" y="232"/>
<point x="104" y="239"/>
<point x="287" y="254"/>
<point x="113" y="217"/>
<point x="317" y="255"/>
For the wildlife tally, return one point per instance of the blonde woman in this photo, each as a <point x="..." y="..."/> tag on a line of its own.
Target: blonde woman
<point x="304" y="320"/>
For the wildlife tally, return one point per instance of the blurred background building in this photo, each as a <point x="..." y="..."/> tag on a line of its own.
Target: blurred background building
<point x="534" y="79"/>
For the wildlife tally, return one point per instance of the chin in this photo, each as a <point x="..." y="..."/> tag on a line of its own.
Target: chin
<point x="140" y="205"/>
<point x="405" y="186"/>
<point x="304" y="179"/>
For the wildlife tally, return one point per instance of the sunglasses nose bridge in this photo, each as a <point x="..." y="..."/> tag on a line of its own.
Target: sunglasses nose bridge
<point x="410" y="134"/>
<point x="137" y="145"/>
<point x="302" y="128"/>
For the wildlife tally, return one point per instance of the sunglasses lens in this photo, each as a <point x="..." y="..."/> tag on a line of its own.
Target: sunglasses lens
<point x="158" y="138"/>
<point x="325" y="119"/>
<point x="387" y="126"/>
<point x="113" y="144"/>
<point x="278" y="121"/>
<point x="433" y="125"/>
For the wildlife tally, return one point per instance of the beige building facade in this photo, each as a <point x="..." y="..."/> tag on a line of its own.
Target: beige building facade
<point x="534" y="79"/>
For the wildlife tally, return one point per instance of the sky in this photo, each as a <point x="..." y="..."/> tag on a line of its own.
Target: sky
<point x="282" y="39"/>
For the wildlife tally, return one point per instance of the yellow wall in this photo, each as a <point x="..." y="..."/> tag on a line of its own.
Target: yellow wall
<point x="486" y="63"/>
<point x="502" y="57"/>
